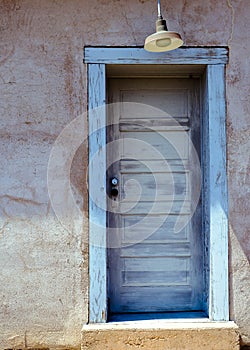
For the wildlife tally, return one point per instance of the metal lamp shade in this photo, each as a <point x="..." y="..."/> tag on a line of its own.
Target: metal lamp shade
<point x="163" y="41"/>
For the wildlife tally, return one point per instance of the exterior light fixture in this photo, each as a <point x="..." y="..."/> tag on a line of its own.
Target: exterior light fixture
<point x="162" y="40"/>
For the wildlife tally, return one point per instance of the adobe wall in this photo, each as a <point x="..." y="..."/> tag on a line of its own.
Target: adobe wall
<point x="43" y="84"/>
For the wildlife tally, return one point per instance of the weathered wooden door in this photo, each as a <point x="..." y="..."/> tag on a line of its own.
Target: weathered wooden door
<point x="155" y="259"/>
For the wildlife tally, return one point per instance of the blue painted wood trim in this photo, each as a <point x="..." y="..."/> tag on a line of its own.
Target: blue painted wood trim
<point x="97" y="193"/>
<point x="205" y="187"/>
<point x="135" y="55"/>
<point x="217" y="194"/>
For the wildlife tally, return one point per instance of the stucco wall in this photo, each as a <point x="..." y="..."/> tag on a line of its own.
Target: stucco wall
<point x="43" y="266"/>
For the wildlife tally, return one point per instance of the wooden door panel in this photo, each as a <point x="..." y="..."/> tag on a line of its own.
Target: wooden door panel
<point x="155" y="187"/>
<point x="173" y="102"/>
<point x="154" y="145"/>
<point x="163" y="234"/>
<point x="152" y="166"/>
<point x="151" y="250"/>
<point x="153" y="299"/>
<point x="155" y="278"/>
<point x="165" y="208"/>
<point x="154" y="267"/>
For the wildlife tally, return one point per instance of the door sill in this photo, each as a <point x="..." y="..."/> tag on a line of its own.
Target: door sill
<point x="191" y="315"/>
<point x="167" y="334"/>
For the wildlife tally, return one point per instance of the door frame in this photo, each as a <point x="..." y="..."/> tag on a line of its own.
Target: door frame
<point x="214" y="194"/>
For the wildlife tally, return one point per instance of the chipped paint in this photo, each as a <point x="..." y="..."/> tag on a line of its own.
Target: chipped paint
<point x="43" y="82"/>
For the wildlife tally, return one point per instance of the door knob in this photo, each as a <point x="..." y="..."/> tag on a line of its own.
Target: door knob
<point x="114" y="181"/>
<point x="114" y="190"/>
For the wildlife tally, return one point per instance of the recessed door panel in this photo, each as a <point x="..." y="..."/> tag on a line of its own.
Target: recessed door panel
<point x="155" y="250"/>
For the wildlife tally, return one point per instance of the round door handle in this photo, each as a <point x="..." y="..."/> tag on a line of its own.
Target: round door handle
<point x="114" y="181"/>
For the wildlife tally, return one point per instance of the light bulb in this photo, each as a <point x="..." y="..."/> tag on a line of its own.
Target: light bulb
<point x="163" y="42"/>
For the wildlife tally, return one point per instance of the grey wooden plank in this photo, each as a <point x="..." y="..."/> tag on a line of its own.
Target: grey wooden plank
<point x="153" y="166"/>
<point x="157" y="264"/>
<point x="135" y="55"/>
<point x="217" y="187"/>
<point x="155" y="272"/>
<point x="97" y="216"/>
<point x="156" y="250"/>
<point x="154" y="187"/>
<point x="156" y="125"/>
<point x="165" y="231"/>
<point x="155" y="145"/>
<point x="177" y="207"/>
<point x="172" y="101"/>
<point x="160" y="208"/>
<point x="133" y="299"/>
<point x="158" y="278"/>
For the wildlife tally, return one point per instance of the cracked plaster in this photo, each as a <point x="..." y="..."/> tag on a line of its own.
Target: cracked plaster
<point x="43" y="87"/>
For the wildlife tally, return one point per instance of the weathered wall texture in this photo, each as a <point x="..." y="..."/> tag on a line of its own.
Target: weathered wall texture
<point x="43" y="87"/>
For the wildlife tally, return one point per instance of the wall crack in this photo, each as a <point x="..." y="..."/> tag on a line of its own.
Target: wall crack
<point x="229" y="4"/>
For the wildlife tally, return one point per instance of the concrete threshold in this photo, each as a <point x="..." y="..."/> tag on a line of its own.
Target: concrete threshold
<point x="161" y="335"/>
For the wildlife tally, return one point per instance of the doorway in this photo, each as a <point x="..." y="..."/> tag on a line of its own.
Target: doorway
<point x="209" y="64"/>
<point x="153" y="132"/>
